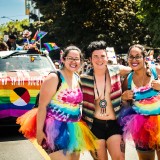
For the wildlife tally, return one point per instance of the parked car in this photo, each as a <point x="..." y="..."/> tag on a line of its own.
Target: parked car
<point x="21" y="76"/>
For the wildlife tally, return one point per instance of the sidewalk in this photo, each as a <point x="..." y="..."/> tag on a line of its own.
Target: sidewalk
<point x="129" y="155"/>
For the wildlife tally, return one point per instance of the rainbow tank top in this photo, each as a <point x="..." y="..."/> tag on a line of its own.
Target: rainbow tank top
<point x="65" y="104"/>
<point x="146" y="100"/>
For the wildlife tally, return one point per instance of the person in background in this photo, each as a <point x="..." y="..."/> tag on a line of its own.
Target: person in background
<point x="101" y="89"/>
<point x="26" y="37"/>
<point x="3" y="46"/>
<point x="56" y="65"/>
<point x="141" y="117"/>
<point x="11" y="42"/>
<point x="59" y="129"/>
<point x="27" y="45"/>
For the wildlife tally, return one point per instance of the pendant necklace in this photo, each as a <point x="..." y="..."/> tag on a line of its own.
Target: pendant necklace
<point x="103" y="102"/>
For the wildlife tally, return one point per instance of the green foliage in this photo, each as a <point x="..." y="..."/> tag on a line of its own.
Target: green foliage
<point x="149" y="13"/>
<point x="78" y="22"/>
<point x="13" y="27"/>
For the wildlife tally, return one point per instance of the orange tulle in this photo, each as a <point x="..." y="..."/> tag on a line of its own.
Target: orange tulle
<point x="80" y="137"/>
<point x="28" y="123"/>
<point x="89" y="138"/>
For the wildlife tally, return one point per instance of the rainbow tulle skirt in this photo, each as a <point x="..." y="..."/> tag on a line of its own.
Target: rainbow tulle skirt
<point x="66" y="136"/>
<point x="143" y="130"/>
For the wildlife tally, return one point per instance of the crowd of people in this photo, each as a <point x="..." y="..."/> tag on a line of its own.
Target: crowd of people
<point x="96" y="106"/>
<point x="12" y="42"/>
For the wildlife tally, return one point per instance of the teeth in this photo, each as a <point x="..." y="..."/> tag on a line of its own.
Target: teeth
<point x="134" y="64"/>
<point x="73" y="66"/>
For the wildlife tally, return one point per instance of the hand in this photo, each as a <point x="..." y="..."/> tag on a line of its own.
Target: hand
<point x="40" y="136"/>
<point x="155" y="84"/>
<point x="127" y="95"/>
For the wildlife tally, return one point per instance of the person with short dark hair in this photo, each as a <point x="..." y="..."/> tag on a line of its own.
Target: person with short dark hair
<point x="101" y="89"/>
<point x="12" y="42"/>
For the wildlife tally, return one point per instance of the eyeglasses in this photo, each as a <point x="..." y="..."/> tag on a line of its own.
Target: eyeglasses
<point x="136" y="57"/>
<point x="70" y="59"/>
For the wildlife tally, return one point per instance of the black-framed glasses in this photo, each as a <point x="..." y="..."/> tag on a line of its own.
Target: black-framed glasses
<point x="136" y="57"/>
<point x="70" y="59"/>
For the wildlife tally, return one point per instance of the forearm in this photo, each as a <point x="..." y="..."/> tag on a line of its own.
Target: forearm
<point x="41" y="116"/>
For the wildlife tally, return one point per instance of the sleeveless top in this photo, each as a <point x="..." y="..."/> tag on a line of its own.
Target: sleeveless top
<point x="146" y="100"/>
<point x="65" y="104"/>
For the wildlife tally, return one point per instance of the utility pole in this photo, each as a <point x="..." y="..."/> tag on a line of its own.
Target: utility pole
<point x="39" y="19"/>
<point x="8" y="18"/>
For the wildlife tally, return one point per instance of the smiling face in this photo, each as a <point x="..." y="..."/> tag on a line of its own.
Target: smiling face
<point x="136" y="59"/>
<point x="99" y="59"/>
<point x="72" y="61"/>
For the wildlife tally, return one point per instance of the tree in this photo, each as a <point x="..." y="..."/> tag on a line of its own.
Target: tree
<point x="14" y="27"/>
<point x="79" y="22"/>
<point x="149" y="14"/>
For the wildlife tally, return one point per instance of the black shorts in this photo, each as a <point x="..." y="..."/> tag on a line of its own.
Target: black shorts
<point x="147" y="149"/>
<point x="103" y="129"/>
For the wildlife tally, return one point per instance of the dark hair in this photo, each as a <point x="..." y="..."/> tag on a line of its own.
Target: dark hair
<point x="67" y="50"/>
<point x="12" y="36"/>
<point x="95" y="45"/>
<point x="144" y="53"/>
<point x="142" y="48"/>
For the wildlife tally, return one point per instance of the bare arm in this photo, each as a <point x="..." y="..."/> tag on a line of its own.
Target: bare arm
<point x="127" y="94"/>
<point x="158" y="71"/>
<point x="124" y="70"/>
<point x="48" y="89"/>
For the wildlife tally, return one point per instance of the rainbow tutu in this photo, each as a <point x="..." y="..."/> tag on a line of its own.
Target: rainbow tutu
<point x="66" y="136"/>
<point x="143" y="130"/>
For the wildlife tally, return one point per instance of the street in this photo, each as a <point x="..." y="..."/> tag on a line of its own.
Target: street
<point x="13" y="146"/>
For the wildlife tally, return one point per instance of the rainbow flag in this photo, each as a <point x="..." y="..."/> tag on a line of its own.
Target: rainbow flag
<point x="40" y="35"/>
<point x="18" y="91"/>
<point x="50" y="46"/>
<point x="33" y="40"/>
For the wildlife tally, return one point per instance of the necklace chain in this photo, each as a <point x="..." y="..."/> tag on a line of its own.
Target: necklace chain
<point x="102" y="102"/>
<point x="97" y="87"/>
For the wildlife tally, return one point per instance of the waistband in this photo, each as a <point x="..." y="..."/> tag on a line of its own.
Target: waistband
<point x="103" y="121"/>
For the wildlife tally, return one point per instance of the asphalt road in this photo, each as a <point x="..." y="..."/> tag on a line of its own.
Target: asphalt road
<point x="13" y="146"/>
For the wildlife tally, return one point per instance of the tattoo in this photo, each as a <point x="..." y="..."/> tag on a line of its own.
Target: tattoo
<point x="122" y="146"/>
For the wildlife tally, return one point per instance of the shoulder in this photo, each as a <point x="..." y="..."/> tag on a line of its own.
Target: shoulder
<point x="52" y="77"/>
<point x="86" y="79"/>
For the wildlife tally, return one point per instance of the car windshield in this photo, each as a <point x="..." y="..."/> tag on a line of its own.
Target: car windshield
<point x="26" y="62"/>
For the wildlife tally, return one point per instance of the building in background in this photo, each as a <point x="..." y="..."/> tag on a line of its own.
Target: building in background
<point x="30" y="9"/>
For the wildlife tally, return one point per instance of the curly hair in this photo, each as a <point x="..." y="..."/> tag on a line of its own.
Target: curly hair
<point x="96" y="45"/>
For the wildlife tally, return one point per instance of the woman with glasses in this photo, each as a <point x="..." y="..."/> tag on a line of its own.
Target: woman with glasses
<point x="101" y="89"/>
<point x="59" y="129"/>
<point x="140" y="118"/>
